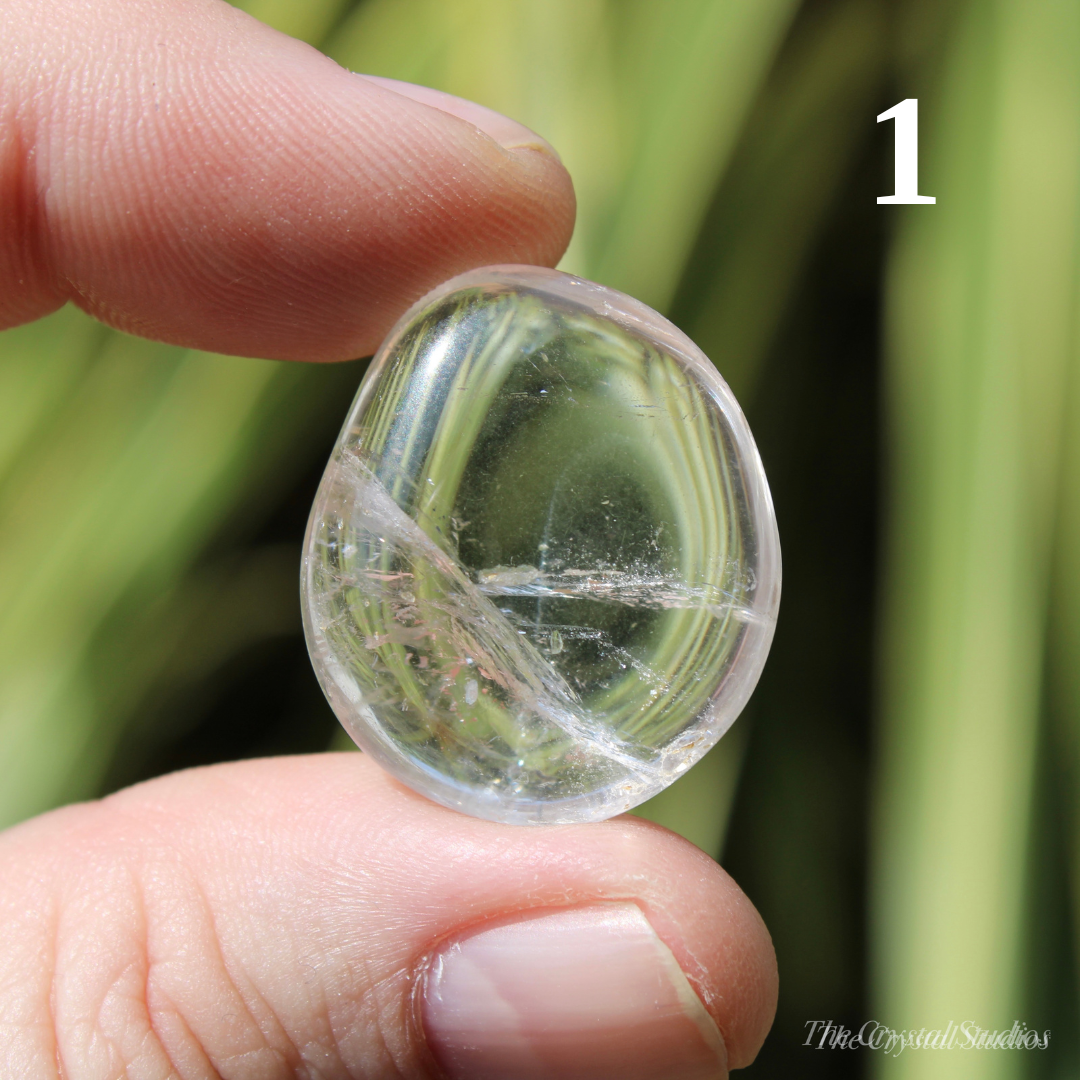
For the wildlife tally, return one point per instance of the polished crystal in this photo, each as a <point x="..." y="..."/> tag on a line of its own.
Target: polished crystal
<point x="542" y="571"/>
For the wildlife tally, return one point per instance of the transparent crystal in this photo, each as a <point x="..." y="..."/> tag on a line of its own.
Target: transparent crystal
<point x="541" y="574"/>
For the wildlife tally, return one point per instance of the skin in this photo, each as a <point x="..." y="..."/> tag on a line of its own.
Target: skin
<point x="182" y="172"/>
<point x="275" y="912"/>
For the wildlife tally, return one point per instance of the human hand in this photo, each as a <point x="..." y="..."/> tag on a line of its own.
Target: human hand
<point x="182" y="172"/>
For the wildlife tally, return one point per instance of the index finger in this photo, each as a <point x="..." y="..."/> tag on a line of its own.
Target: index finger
<point x="182" y="172"/>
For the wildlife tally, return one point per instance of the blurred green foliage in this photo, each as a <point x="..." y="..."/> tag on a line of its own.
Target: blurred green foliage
<point x="902" y="799"/>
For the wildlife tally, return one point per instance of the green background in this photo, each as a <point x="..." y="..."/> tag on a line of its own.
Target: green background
<point x="902" y="796"/>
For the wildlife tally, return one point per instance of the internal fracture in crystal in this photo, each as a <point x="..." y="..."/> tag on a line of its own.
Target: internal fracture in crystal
<point x="542" y="571"/>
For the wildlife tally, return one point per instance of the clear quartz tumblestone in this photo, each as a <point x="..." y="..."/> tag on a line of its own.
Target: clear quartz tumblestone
<point x="542" y="571"/>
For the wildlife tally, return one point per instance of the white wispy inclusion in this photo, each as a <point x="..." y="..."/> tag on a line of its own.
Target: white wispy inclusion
<point x="637" y="587"/>
<point x="419" y="606"/>
<point x="541" y="572"/>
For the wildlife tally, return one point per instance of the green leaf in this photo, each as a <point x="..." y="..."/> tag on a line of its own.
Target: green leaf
<point x="982" y="314"/>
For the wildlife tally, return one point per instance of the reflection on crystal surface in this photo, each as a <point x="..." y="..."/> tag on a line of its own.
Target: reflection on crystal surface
<point x="541" y="574"/>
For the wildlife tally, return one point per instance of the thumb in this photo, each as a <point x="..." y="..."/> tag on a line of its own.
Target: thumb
<point x="185" y="173"/>
<point x="310" y="917"/>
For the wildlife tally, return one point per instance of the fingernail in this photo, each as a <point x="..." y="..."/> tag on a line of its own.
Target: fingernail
<point x="587" y="992"/>
<point x="509" y="134"/>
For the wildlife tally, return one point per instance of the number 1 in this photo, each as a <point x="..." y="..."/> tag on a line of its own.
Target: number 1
<point x="906" y="141"/>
